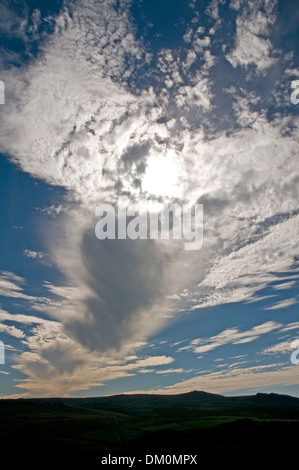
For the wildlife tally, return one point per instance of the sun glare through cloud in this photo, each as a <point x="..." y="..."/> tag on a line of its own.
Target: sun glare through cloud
<point x="161" y="176"/>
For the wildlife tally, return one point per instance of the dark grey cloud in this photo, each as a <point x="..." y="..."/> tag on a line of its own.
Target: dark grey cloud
<point x="125" y="279"/>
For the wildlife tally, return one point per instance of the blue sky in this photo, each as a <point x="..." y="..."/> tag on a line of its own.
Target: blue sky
<point x="155" y="102"/>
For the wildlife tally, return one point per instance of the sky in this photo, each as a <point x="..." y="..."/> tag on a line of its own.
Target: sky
<point x="152" y="103"/>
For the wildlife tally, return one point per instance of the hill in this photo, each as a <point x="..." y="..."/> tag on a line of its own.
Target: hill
<point x="195" y="421"/>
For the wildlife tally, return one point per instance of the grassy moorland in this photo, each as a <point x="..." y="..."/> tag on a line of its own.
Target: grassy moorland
<point x="194" y="422"/>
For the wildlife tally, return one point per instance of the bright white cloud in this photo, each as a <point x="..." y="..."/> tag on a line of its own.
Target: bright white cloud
<point x="252" y="47"/>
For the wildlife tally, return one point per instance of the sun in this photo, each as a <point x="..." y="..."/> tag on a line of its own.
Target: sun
<point x="161" y="177"/>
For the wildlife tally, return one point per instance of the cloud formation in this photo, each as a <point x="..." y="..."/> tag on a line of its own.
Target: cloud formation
<point x="77" y="117"/>
<point x="252" y="46"/>
<point x="252" y="378"/>
<point x="230" y="336"/>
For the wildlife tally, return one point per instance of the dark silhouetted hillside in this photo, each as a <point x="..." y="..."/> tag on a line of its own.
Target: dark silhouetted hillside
<point x="195" y="421"/>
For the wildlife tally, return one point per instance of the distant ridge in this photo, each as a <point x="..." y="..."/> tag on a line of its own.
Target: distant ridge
<point x="193" y="421"/>
<point x="136" y="402"/>
<point x="192" y="396"/>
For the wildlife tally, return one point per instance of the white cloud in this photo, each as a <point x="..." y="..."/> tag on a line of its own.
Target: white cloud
<point x="252" y="47"/>
<point x="13" y="286"/>
<point x="222" y="381"/>
<point x="232" y="336"/>
<point x="291" y="326"/>
<point x="10" y="285"/>
<point x="213" y="8"/>
<point x="12" y="331"/>
<point x="21" y="318"/>
<point x="56" y="364"/>
<point x="34" y="254"/>
<point x="54" y="210"/>
<point x="198" y="95"/>
<point x="279" y="348"/>
<point x="153" y="361"/>
<point x="172" y="371"/>
<point x="285" y="285"/>
<point x="283" y="304"/>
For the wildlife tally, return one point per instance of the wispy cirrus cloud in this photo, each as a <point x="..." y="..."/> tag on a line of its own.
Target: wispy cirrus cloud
<point x="251" y="378"/>
<point x="280" y="348"/>
<point x="285" y="285"/>
<point x="173" y="371"/>
<point x="230" y="336"/>
<point x="283" y="304"/>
